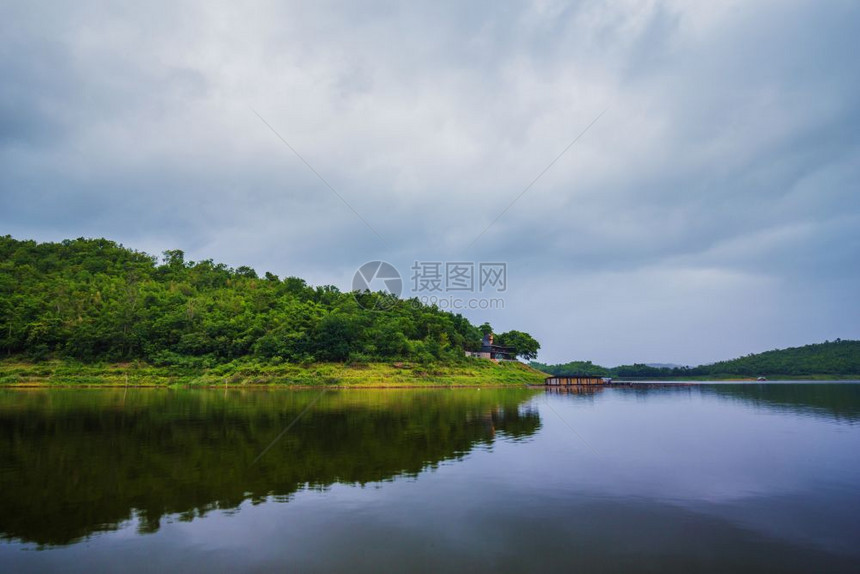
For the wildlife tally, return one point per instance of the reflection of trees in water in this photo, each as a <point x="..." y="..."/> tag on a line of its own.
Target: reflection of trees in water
<point x="76" y="462"/>
<point x="833" y="400"/>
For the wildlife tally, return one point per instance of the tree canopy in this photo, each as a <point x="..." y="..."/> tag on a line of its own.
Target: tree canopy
<point x="523" y="344"/>
<point x="95" y="300"/>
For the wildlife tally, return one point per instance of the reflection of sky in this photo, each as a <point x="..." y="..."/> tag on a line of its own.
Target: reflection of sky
<point x="686" y="446"/>
<point x="767" y="397"/>
<point x="677" y="471"/>
<point x="771" y="469"/>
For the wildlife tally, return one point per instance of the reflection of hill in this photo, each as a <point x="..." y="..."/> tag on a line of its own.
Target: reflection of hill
<point x="76" y="462"/>
<point x="832" y="400"/>
<point x="836" y="400"/>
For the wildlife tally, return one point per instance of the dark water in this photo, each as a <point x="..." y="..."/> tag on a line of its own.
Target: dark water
<point x="712" y="478"/>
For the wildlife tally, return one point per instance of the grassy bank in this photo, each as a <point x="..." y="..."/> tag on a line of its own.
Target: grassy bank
<point x="472" y="373"/>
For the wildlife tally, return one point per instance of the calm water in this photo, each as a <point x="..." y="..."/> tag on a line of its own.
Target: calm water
<point x="712" y="478"/>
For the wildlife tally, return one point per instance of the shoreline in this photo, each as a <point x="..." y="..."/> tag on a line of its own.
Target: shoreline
<point x="474" y="373"/>
<point x="262" y="387"/>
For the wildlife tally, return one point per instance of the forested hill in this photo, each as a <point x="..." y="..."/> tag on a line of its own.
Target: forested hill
<point x="94" y="300"/>
<point x="829" y="358"/>
<point x="834" y="358"/>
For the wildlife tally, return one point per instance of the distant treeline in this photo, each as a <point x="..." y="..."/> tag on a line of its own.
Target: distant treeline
<point x="829" y="358"/>
<point x="95" y="300"/>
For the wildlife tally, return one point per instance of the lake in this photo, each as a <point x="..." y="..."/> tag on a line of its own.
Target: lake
<point x="704" y="478"/>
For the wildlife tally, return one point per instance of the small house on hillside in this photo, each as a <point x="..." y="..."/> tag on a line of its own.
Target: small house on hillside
<point x="489" y="350"/>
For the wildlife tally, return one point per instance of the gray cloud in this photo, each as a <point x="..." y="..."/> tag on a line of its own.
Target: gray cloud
<point x="712" y="211"/>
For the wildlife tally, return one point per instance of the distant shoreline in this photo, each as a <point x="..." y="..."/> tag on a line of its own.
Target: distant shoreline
<point x="695" y="382"/>
<point x="731" y="379"/>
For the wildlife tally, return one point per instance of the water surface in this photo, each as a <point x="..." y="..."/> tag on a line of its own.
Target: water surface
<point x="711" y="478"/>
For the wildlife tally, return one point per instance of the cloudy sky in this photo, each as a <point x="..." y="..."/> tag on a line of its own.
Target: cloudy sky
<point x="712" y="210"/>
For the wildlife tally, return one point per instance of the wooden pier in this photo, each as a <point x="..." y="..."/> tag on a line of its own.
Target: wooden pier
<point x="569" y="380"/>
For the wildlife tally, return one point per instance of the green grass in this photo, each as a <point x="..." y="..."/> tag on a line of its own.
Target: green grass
<point x="469" y="373"/>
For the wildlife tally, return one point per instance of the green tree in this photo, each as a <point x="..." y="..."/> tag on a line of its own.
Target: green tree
<point x="524" y="345"/>
<point x="95" y="300"/>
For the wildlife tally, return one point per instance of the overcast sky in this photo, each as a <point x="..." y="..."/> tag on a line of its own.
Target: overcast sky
<point x="713" y="210"/>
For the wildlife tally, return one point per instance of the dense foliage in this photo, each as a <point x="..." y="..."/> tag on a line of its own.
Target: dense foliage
<point x="94" y="300"/>
<point x="572" y="368"/>
<point x="829" y="358"/>
<point x="523" y="344"/>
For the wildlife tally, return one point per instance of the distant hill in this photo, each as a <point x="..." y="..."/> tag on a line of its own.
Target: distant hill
<point x="829" y="358"/>
<point x="573" y="368"/>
